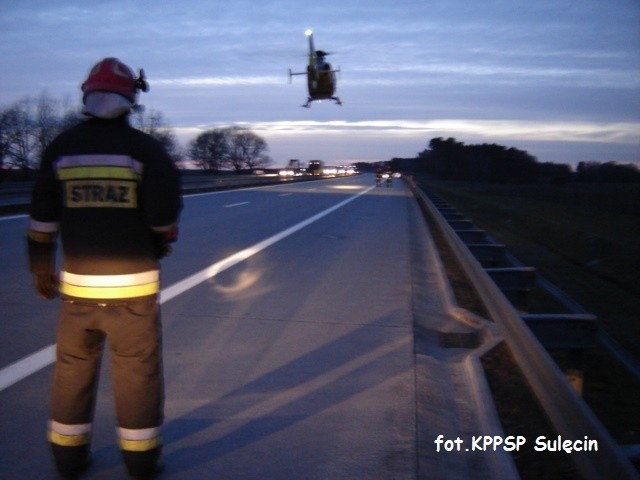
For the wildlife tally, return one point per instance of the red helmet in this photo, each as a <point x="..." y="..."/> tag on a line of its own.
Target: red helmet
<point x="111" y="75"/>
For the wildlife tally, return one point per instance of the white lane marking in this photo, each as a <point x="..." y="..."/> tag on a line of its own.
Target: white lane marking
<point x="14" y="217"/>
<point x="233" y="190"/>
<point x="231" y="205"/>
<point x="27" y="366"/>
<point x="43" y="358"/>
<point x="212" y="270"/>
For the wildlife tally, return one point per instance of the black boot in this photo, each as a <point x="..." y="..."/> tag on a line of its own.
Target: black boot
<point x="143" y="465"/>
<point x="71" y="462"/>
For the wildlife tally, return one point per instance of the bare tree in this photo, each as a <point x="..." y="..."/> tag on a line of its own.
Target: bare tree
<point x="19" y="137"/>
<point x="210" y="149"/>
<point x="235" y="147"/>
<point x="248" y="150"/>
<point x="46" y="122"/>
<point x="5" y="121"/>
<point x="28" y="126"/>
<point x="154" y="124"/>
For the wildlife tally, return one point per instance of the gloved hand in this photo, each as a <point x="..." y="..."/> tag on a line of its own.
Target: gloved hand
<point x="163" y="249"/>
<point x="163" y="241"/>
<point x="47" y="285"/>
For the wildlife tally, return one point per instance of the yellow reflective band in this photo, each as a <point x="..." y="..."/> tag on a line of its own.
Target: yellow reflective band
<point x="41" y="237"/>
<point x="86" y="172"/>
<point x="106" y="287"/>
<point x="122" y="280"/>
<point x="68" y="440"/>
<point x="140" y="445"/>
<point x="107" y="293"/>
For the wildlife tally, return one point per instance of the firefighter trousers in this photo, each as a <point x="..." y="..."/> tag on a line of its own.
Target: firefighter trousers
<point x="133" y="332"/>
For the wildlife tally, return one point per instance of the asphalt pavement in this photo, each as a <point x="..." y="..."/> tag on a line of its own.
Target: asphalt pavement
<point x="309" y="333"/>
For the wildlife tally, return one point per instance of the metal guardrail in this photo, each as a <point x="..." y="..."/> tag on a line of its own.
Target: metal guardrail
<point x="568" y="413"/>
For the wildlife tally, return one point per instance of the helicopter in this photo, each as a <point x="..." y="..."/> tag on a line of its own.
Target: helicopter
<point x="321" y="78"/>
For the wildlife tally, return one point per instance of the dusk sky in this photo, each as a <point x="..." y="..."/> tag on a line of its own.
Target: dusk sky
<point x="558" y="78"/>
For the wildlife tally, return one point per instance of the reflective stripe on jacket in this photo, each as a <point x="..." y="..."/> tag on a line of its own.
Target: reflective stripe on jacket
<point x="110" y="286"/>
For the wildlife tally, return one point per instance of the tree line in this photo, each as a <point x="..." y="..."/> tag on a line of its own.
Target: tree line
<point x="234" y="148"/>
<point x="30" y="124"/>
<point x="448" y="159"/>
<point x="27" y="126"/>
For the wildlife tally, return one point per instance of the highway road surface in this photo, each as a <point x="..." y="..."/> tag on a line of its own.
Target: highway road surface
<point x="288" y="317"/>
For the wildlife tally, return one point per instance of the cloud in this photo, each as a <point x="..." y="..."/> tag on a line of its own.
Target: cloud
<point x="491" y="130"/>
<point x="350" y="141"/>
<point x="209" y="81"/>
<point x="472" y="73"/>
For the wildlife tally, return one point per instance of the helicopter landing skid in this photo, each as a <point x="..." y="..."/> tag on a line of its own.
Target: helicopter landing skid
<point x="309" y="100"/>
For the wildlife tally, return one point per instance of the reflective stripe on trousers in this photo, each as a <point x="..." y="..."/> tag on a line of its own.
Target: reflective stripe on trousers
<point x="69" y="435"/>
<point x="139" y="440"/>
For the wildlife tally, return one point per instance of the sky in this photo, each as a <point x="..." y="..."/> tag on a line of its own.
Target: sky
<point x="557" y="78"/>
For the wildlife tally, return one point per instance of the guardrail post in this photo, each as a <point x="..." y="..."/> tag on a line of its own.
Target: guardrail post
<point x="461" y="224"/>
<point x="451" y="215"/>
<point x="515" y="282"/>
<point x="489" y="254"/>
<point x="473" y="235"/>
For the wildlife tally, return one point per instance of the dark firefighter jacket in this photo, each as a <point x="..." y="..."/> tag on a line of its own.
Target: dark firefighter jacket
<point x="114" y="195"/>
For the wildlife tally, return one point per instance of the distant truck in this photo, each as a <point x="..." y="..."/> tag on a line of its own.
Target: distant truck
<point x="316" y="167"/>
<point x="292" y="170"/>
<point x="294" y="164"/>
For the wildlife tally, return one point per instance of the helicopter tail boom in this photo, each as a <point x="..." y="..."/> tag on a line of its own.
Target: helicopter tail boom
<point x="312" y="48"/>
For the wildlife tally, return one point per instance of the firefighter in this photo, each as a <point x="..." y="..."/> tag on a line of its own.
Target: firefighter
<point x="111" y="194"/>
